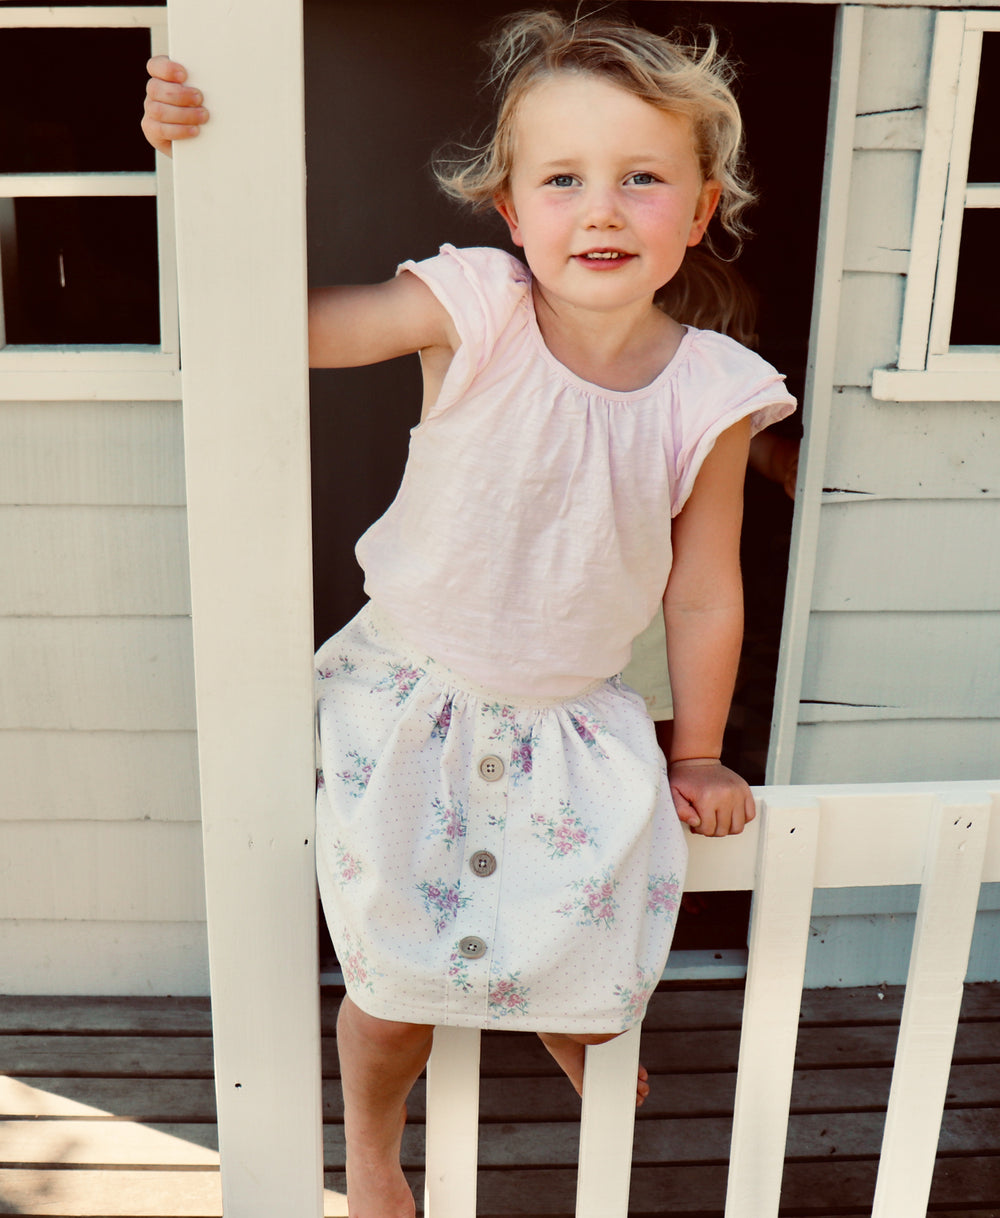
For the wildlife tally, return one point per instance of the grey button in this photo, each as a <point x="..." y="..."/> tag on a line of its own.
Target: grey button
<point x="491" y="768"/>
<point x="471" y="947"/>
<point x="483" y="863"/>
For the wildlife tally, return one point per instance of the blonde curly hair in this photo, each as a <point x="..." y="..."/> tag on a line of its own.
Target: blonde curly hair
<point x="673" y="74"/>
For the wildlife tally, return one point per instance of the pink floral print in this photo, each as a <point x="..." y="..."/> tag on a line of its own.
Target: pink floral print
<point x="458" y="971"/>
<point x="664" y="894"/>
<point x="348" y="867"/>
<point x="344" y="664"/>
<point x="354" y="964"/>
<point x="505" y="717"/>
<point x="562" y="834"/>
<point x="588" y="729"/>
<point x="358" y="777"/>
<point x="517" y="734"/>
<point x="634" y="997"/>
<point x="508" y="996"/>
<point x="594" y="903"/>
<point x="522" y="756"/>
<point x="449" y="822"/>
<point x="442" y="901"/>
<point x="441" y="722"/>
<point x="400" y="680"/>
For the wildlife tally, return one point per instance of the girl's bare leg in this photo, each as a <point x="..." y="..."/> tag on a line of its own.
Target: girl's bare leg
<point x="380" y="1061"/>
<point x="570" y="1051"/>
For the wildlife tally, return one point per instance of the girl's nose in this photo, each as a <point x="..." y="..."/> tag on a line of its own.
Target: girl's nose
<point x="602" y="210"/>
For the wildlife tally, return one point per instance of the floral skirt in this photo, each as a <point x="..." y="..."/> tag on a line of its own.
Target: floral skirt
<point x="486" y="861"/>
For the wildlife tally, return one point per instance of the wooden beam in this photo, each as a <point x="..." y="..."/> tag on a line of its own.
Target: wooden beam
<point x="955" y="851"/>
<point x="607" y="1125"/>
<point x="817" y="403"/>
<point x="452" y="1124"/>
<point x="779" y="931"/>
<point x="241" y="268"/>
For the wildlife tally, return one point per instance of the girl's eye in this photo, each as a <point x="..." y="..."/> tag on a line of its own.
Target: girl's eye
<point x="561" y="179"/>
<point x="642" y="179"/>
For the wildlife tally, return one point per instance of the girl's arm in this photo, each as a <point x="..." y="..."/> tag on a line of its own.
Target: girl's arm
<point x="348" y="326"/>
<point x="703" y="614"/>
<point x="367" y="323"/>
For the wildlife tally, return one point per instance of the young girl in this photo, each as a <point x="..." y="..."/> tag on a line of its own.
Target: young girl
<point x="500" y="842"/>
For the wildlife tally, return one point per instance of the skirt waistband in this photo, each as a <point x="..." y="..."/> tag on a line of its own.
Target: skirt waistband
<point x="389" y="630"/>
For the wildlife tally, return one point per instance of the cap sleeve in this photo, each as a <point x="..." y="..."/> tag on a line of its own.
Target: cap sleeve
<point x="720" y="383"/>
<point x="480" y="288"/>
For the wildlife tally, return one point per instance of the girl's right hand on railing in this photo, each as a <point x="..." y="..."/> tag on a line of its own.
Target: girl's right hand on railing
<point x="173" y="110"/>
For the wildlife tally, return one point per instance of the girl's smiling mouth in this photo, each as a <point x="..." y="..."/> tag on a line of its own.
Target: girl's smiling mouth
<point x="603" y="258"/>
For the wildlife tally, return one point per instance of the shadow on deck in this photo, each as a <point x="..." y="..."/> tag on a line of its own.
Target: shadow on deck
<point x="107" y="1109"/>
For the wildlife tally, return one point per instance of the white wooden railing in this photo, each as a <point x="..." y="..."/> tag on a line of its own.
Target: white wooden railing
<point x="934" y="835"/>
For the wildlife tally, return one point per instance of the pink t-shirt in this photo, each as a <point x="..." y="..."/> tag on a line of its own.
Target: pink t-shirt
<point x="529" y="542"/>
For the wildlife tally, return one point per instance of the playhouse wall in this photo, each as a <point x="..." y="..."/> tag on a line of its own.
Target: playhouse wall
<point x="101" y="887"/>
<point x="902" y="661"/>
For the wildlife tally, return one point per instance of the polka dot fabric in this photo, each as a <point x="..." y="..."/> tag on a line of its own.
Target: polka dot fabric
<point x="486" y="861"/>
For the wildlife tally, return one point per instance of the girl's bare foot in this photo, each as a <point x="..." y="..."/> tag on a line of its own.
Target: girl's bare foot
<point x="570" y="1053"/>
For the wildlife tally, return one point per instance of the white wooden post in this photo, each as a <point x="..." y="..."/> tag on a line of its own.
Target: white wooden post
<point x="818" y="397"/>
<point x="779" y="932"/>
<point x="946" y="917"/>
<point x="241" y="267"/>
<point x="451" y="1156"/>
<point x="607" y="1126"/>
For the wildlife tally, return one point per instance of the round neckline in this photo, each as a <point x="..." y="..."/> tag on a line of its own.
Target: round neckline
<point x="592" y="387"/>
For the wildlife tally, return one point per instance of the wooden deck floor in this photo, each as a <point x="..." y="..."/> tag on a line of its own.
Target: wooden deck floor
<point x="107" y="1109"/>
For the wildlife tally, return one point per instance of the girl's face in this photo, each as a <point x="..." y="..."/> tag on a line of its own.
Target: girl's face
<point x="606" y="192"/>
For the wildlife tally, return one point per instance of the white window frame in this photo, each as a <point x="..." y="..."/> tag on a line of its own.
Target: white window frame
<point x="101" y="371"/>
<point x="929" y="368"/>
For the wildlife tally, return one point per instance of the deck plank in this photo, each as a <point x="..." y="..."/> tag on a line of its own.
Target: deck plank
<point x="92" y="1016"/>
<point x="807" y="1190"/>
<point x="669" y="1008"/>
<point x="679" y="1141"/>
<point x="502" y="1100"/>
<point x="503" y="1054"/>
<point x="180" y="1099"/>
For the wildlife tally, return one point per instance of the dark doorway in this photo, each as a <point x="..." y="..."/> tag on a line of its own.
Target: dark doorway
<point x="389" y="82"/>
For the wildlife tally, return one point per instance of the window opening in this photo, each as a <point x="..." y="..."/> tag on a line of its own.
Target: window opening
<point x="975" y="319"/>
<point x="984" y="148"/>
<point x="949" y="346"/>
<point x="43" y="126"/>
<point x="84" y="271"/>
<point x="87" y="282"/>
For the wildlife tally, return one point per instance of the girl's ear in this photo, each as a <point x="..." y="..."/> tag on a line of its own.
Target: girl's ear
<point x="505" y="207"/>
<point x="708" y="201"/>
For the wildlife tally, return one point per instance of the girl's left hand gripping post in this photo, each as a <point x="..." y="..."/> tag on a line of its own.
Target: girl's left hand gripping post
<point x="173" y="110"/>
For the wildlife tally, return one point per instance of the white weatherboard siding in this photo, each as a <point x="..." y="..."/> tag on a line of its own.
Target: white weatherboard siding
<point x="101" y="887"/>
<point x="896" y="607"/>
